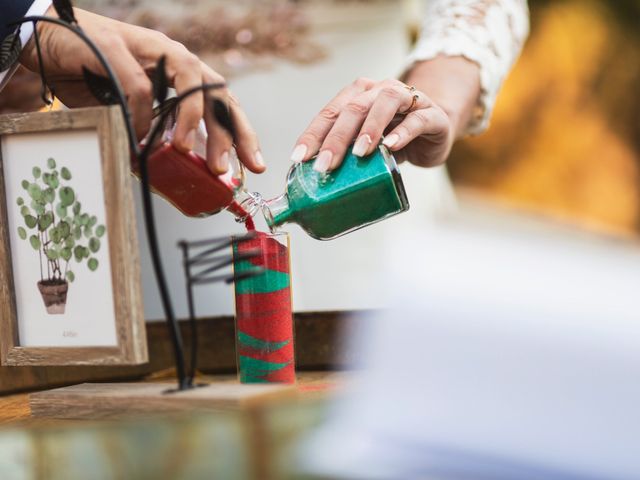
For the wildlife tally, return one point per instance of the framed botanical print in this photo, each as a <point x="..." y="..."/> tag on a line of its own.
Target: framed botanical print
<point x="69" y="276"/>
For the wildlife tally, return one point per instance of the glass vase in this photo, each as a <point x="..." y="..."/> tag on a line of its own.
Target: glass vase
<point x="264" y="320"/>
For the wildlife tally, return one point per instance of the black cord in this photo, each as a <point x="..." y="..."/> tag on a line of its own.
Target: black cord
<point x="159" y="125"/>
<point x="192" y="314"/>
<point x="122" y="100"/>
<point x="142" y="156"/>
<point x="186" y="379"/>
<point x="43" y="79"/>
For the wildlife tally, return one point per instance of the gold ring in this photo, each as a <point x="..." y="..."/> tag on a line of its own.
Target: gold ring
<point x="411" y="88"/>
<point x="414" y="100"/>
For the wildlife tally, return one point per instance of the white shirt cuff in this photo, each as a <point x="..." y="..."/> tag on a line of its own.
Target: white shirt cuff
<point x="38" y="7"/>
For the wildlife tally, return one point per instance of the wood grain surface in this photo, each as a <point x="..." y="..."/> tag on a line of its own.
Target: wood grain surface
<point x="118" y="400"/>
<point x="16" y="409"/>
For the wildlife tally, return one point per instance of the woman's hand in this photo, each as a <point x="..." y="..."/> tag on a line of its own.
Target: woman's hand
<point x="365" y="111"/>
<point x="421" y="126"/>
<point x="133" y="53"/>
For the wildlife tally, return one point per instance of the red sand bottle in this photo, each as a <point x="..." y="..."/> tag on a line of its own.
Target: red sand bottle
<point x="185" y="181"/>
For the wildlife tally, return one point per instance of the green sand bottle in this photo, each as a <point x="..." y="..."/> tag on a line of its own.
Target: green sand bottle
<point x="362" y="191"/>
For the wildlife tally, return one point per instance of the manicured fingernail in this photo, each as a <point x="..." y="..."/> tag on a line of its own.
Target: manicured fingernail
<point x="223" y="163"/>
<point x="190" y="139"/>
<point x="391" y="140"/>
<point x="298" y="153"/>
<point x="259" y="158"/>
<point x="323" y="161"/>
<point x="362" y="145"/>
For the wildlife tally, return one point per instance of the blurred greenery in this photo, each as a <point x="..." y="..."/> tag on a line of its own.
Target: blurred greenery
<point x="565" y="135"/>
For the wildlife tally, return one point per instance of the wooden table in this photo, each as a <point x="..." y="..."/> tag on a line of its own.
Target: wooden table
<point x="248" y="443"/>
<point x="14" y="409"/>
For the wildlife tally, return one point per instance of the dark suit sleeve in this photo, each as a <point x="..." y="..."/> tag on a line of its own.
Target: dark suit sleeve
<point x="11" y="10"/>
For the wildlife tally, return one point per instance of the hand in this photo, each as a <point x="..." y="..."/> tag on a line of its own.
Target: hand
<point x="365" y="111"/>
<point x="133" y="53"/>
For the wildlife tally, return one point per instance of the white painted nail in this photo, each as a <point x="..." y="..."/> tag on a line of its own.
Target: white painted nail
<point x="298" y="153"/>
<point x="323" y="161"/>
<point x="259" y="158"/>
<point x="391" y="140"/>
<point x="362" y="145"/>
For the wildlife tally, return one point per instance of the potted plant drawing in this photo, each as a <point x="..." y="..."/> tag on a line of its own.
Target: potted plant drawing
<point x="56" y="227"/>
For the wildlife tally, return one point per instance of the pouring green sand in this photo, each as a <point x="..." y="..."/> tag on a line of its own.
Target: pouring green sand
<point x="360" y="192"/>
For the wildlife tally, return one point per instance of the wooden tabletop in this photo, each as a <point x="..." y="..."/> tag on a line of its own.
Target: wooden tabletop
<point x="256" y="443"/>
<point x="14" y="409"/>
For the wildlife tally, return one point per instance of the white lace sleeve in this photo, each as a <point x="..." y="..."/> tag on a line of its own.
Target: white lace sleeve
<point x="488" y="32"/>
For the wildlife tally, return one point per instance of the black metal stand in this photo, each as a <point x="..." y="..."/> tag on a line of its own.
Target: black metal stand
<point x="202" y="261"/>
<point x="115" y="94"/>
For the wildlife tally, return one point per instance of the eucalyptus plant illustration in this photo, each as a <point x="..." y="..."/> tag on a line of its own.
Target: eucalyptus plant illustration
<point x="57" y="228"/>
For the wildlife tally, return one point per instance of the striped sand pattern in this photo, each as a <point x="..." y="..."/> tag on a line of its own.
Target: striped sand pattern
<point x="264" y="325"/>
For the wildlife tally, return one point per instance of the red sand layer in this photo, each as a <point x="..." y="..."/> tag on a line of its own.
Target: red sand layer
<point x="185" y="181"/>
<point x="266" y="315"/>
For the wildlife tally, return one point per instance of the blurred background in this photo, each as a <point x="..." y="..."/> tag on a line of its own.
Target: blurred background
<point x="565" y="136"/>
<point x="564" y="143"/>
<point x="524" y="337"/>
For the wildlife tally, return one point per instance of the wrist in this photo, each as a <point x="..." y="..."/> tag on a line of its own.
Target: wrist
<point x="452" y="83"/>
<point x="28" y="57"/>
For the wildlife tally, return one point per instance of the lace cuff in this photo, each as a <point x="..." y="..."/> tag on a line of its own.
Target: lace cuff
<point x="489" y="33"/>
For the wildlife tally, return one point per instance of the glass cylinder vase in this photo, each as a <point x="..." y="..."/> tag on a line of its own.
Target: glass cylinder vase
<point x="264" y="320"/>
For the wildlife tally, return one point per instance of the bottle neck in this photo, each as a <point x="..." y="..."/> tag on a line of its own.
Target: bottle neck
<point x="245" y="204"/>
<point x="277" y="211"/>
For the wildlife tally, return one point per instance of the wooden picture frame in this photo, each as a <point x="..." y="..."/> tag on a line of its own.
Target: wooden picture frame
<point x="127" y="336"/>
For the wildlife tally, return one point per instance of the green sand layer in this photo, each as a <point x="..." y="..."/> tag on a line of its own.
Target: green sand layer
<point x="360" y="192"/>
<point x="252" y="342"/>
<point x="264" y="324"/>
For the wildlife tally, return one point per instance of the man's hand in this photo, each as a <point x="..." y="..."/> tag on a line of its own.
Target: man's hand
<point x="133" y="53"/>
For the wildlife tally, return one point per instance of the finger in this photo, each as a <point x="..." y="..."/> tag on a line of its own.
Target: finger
<point x="431" y="122"/>
<point x="378" y="108"/>
<point x="219" y="140"/>
<point x="135" y="83"/>
<point x="311" y="139"/>
<point x="344" y="131"/>
<point x="246" y="139"/>
<point x="219" y="145"/>
<point x="186" y="71"/>
<point x="209" y="74"/>
<point x="387" y="106"/>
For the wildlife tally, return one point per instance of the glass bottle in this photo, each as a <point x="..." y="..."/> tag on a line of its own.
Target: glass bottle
<point x="264" y="320"/>
<point x="362" y="191"/>
<point x="184" y="179"/>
